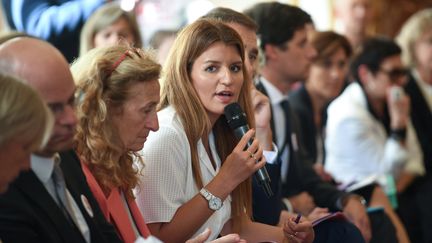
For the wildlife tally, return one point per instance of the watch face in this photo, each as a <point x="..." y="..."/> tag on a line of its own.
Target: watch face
<point x="215" y="203"/>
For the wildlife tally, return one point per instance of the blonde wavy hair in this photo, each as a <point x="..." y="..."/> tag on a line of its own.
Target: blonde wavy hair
<point x="411" y="31"/>
<point x="103" y="77"/>
<point x="105" y="16"/>
<point x="178" y="91"/>
<point x="23" y="114"/>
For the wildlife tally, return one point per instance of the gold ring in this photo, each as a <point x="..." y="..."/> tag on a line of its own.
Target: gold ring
<point x="295" y="233"/>
<point x="251" y="155"/>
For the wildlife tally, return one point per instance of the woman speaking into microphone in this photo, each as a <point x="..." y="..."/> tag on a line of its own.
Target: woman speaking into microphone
<point x="196" y="174"/>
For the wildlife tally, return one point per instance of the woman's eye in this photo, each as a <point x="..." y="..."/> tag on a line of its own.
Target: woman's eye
<point x="235" y="68"/>
<point x="210" y="69"/>
<point x="252" y="58"/>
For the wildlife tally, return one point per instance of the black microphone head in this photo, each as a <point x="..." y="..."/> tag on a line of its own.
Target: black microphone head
<point x="235" y="115"/>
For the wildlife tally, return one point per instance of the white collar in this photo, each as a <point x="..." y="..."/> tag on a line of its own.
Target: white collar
<point x="43" y="167"/>
<point x="274" y="94"/>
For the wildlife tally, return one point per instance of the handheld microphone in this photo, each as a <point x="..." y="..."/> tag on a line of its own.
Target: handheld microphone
<point x="237" y="121"/>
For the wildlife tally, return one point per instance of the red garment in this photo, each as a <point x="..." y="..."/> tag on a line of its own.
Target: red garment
<point x="114" y="211"/>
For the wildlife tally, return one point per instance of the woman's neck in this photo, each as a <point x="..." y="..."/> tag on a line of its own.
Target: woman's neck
<point x="318" y="104"/>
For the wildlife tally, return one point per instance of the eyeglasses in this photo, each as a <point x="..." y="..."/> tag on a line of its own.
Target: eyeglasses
<point x="395" y="73"/>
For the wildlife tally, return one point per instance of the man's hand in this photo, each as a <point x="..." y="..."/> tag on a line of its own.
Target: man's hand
<point x="399" y="107"/>
<point x="262" y="114"/>
<point x="355" y="212"/>
<point x="302" y="203"/>
<point x="319" y="169"/>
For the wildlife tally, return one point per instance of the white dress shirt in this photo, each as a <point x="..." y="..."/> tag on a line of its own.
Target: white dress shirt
<point x="43" y="167"/>
<point x="357" y="145"/>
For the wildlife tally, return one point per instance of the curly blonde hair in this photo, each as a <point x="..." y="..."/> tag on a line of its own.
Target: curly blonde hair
<point x="103" y="77"/>
<point x="178" y="91"/>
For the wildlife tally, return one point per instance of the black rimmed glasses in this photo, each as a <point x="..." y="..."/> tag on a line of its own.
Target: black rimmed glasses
<point x="395" y="73"/>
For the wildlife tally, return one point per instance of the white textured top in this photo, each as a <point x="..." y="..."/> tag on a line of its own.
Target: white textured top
<point x="357" y="145"/>
<point x="167" y="181"/>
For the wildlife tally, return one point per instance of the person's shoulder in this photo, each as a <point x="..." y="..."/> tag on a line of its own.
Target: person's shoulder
<point x="70" y="163"/>
<point x="16" y="195"/>
<point x="300" y="101"/>
<point x="350" y="104"/>
<point x="170" y="136"/>
<point x="169" y="123"/>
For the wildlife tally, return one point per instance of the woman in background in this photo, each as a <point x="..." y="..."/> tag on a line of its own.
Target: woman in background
<point x="117" y="92"/>
<point x="108" y="26"/>
<point x="325" y="82"/>
<point x="25" y="126"/>
<point x="415" y="40"/>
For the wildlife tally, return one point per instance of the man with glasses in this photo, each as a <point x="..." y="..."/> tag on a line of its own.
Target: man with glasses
<point x="369" y="132"/>
<point x="52" y="202"/>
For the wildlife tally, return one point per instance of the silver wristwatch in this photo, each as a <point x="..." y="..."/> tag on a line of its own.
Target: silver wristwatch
<point x="214" y="202"/>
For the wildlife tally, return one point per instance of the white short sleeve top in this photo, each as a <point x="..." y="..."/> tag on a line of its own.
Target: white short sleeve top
<point x="167" y="181"/>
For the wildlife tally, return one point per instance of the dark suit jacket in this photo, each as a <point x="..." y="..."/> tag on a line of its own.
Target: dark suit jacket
<point x="29" y="214"/>
<point x="302" y="105"/>
<point x="301" y="176"/>
<point x="414" y="202"/>
<point x="421" y="117"/>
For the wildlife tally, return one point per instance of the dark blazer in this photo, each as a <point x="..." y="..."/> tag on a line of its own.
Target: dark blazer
<point x="29" y="214"/>
<point x="267" y="210"/>
<point x="421" y="117"/>
<point x="301" y="176"/>
<point x="414" y="202"/>
<point x="302" y="106"/>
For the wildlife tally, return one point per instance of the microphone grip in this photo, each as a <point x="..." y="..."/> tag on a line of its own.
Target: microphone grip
<point x="261" y="174"/>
